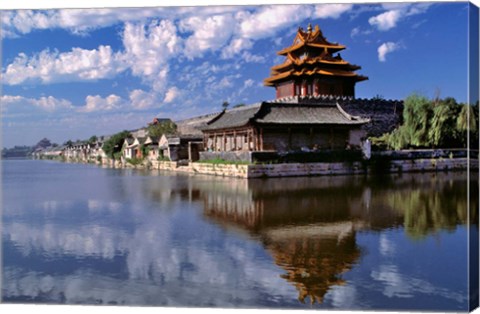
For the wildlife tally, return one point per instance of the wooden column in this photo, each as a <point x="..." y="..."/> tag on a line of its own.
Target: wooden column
<point x="249" y="139"/>
<point x="234" y="140"/>
<point x="261" y="139"/>
<point x="224" y="142"/>
<point x="304" y="89"/>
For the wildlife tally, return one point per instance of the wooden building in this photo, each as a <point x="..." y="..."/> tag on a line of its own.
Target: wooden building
<point x="313" y="67"/>
<point x="284" y="127"/>
<point x="151" y="145"/>
<point x="132" y="147"/>
<point x="178" y="147"/>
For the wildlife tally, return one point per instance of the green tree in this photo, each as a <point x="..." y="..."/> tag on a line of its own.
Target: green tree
<point x="114" y="144"/>
<point x="443" y="131"/>
<point x="466" y="119"/>
<point x="160" y="128"/>
<point x="417" y="112"/>
<point x="428" y="124"/>
<point x="93" y="139"/>
<point x="467" y="122"/>
<point x="43" y="143"/>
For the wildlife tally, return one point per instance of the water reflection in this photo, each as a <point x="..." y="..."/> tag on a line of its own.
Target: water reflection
<point x="309" y="225"/>
<point x="143" y="238"/>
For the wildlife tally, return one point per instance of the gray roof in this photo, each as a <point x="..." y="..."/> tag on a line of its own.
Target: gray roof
<point x="285" y="113"/>
<point x="307" y="114"/>
<point x="195" y="125"/>
<point x="153" y="139"/>
<point x="236" y="117"/>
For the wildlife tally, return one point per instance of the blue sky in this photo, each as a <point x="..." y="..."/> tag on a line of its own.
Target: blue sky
<point x="74" y="73"/>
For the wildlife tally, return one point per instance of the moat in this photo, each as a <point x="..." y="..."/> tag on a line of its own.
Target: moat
<point x="83" y="234"/>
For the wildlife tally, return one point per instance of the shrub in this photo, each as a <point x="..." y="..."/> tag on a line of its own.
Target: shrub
<point x="163" y="158"/>
<point x="135" y="161"/>
<point x="220" y="161"/>
<point x="114" y="144"/>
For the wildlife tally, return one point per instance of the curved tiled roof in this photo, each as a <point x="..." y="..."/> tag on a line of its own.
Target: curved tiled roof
<point x="312" y="38"/>
<point x="284" y="113"/>
<point x="195" y="125"/>
<point x="315" y="71"/>
<point x="236" y="117"/>
<point x="312" y="55"/>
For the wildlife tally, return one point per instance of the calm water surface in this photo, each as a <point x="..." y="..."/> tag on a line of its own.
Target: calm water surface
<point x="81" y="234"/>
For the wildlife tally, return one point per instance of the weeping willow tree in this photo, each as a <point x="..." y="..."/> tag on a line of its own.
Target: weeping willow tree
<point x="442" y="130"/>
<point x="434" y="124"/>
<point x="414" y="131"/>
<point x="467" y="122"/>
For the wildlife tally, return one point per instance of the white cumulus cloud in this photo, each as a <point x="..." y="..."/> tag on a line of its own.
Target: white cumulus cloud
<point x="140" y="99"/>
<point x="98" y="103"/>
<point x="396" y="12"/>
<point x="386" y="20"/>
<point x="236" y="46"/>
<point x="268" y="20"/>
<point x="75" y="65"/>
<point x="171" y="94"/>
<point x="385" y="49"/>
<point x="49" y="103"/>
<point x="211" y="33"/>
<point x="77" y="21"/>
<point x="148" y="48"/>
<point x="149" y="45"/>
<point x="331" y="10"/>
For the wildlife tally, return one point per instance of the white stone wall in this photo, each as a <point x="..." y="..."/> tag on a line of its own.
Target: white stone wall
<point x="356" y="137"/>
<point x="317" y="169"/>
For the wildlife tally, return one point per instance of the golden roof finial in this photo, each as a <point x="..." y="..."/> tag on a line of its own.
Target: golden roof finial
<point x="309" y="28"/>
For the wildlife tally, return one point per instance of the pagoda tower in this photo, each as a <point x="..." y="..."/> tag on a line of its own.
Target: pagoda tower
<point x="312" y="69"/>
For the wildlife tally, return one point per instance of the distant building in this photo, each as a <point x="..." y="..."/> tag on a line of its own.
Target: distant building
<point x="313" y="67"/>
<point x="132" y="147"/>
<point x="151" y="144"/>
<point x="160" y="120"/>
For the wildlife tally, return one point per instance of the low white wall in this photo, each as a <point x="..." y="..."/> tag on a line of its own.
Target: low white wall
<point x="309" y="169"/>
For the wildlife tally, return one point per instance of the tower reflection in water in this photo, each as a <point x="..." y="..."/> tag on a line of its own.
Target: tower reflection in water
<point x="307" y="224"/>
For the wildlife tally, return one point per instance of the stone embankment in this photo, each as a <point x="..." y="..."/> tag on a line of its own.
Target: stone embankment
<point x="320" y="169"/>
<point x="380" y="163"/>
